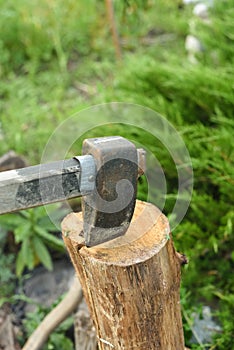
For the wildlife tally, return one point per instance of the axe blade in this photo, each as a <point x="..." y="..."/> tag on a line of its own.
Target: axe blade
<point x="108" y="210"/>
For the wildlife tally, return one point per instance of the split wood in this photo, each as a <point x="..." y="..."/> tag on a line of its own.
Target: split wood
<point x="132" y="283"/>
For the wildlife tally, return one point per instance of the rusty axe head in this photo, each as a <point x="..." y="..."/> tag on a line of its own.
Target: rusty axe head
<point x="108" y="210"/>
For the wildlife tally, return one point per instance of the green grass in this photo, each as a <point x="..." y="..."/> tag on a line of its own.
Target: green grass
<point x="60" y="60"/>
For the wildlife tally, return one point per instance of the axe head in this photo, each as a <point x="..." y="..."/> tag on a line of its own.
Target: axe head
<point x="108" y="210"/>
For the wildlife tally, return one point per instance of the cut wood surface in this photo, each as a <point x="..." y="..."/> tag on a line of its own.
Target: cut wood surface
<point x="131" y="284"/>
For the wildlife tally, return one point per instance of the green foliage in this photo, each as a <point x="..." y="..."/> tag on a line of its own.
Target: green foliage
<point x="36" y="32"/>
<point x="227" y="307"/>
<point x="58" y="339"/>
<point x="31" y="108"/>
<point x="7" y="277"/>
<point x="219" y="30"/>
<point x="184" y="93"/>
<point x="6" y="274"/>
<point x="31" y="230"/>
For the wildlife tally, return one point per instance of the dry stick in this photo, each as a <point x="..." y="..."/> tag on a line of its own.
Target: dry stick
<point x="55" y="317"/>
<point x="114" y="32"/>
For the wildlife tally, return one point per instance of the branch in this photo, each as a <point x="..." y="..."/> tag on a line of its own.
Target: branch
<point x="114" y="31"/>
<point x="55" y="317"/>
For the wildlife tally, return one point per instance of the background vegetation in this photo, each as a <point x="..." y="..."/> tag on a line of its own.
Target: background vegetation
<point x="58" y="57"/>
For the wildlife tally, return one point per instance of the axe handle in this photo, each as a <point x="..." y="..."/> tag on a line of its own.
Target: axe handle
<point x="46" y="183"/>
<point x="57" y="181"/>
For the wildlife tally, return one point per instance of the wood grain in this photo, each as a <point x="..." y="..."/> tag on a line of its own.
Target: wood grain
<point x="131" y="284"/>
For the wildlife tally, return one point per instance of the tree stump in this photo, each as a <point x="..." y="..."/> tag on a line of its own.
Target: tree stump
<point x="132" y="283"/>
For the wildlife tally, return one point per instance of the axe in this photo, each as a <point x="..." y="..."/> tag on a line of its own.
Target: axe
<point x="105" y="176"/>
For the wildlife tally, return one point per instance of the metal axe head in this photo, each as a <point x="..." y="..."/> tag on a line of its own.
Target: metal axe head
<point x="105" y="177"/>
<point x="108" y="210"/>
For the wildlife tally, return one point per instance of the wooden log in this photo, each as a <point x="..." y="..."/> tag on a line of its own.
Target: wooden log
<point x="131" y="284"/>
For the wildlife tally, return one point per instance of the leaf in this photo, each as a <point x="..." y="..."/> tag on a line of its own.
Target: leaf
<point x="54" y="241"/>
<point x="25" y="214"/>
<point x="27" y="253"/>
<point x="52" y="217"/>
<point x="42" y="253"/>
<point x="11" y="221"/>
<point x="60" y="341"/>
<point x="22" y="232"/>
<point x="20" y="264"/>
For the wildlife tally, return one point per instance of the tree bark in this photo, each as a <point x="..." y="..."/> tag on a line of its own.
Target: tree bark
<point x="132" y="283"/>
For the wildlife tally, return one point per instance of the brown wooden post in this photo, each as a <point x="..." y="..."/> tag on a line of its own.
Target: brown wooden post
<point x="132" y="283"/>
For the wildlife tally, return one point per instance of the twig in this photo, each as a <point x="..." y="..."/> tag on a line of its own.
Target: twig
<point x="55" y="317"/>
<point x="114" y="31"/>
<point x="190" y="323"/>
